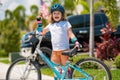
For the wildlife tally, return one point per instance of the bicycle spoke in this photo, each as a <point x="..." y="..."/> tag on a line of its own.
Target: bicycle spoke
<point x="23" y="71"/>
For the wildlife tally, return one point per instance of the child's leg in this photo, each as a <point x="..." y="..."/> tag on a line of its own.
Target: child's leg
<point x="63" y="59"/>
<point x="63" y="62"/>
<point x="55" y="57"/>
<point x="58" y="58"/>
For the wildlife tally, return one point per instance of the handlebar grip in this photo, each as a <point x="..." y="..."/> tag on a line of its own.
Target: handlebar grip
<point x="80" y="45"/>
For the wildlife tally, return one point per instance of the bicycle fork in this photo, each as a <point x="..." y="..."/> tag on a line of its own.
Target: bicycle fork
<point x="26" y="71"/>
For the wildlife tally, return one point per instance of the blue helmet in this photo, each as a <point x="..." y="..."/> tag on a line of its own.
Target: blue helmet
<point x="57" y="7"/>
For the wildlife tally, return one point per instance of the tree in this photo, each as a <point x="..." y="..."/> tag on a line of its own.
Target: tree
<point x="30" y="20"/>
<point x="86" y="6"/>
<point x="10" y="36"/>
<point x="34" y="11"/>
<point x="55" y="1"/>
<point x="19" y="16"/>
<point x="109" y="6"/>
<point x="112" y="11"/>
<point x="10" y="30"/>
<point x="8" y="14"/>
<point x="69" y="6"/>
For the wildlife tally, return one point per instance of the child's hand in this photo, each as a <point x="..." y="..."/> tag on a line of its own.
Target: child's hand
<point x="39" y="18"/>
<point x="78" y="45"/>
<point x="41" y="33"/>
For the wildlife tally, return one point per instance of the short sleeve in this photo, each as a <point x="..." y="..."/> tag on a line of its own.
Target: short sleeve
<point x="68" y="25"/>
<point x="48" y="26"/>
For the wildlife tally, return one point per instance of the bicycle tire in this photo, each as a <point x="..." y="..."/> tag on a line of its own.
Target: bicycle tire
<point x="17" y="68"/>
<point x="95" y="68"/>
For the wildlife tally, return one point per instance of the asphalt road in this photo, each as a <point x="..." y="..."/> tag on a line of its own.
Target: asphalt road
<point x="4" y="68"/>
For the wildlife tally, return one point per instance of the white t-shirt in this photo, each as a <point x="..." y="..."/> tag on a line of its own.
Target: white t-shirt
<point x="59" y="35"/>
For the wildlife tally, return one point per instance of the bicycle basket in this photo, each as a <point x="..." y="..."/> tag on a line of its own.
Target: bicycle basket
<point x="28" y="44"/>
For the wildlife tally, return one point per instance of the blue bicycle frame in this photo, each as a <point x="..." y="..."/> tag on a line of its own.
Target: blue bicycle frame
<point x="64" y="68"/>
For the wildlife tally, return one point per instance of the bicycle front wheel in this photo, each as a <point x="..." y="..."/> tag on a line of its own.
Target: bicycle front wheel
<point x="93" y="67"/>
<point x="23" y="69"/>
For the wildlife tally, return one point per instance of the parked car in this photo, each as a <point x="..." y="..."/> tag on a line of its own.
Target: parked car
<point x="81" y="25"/>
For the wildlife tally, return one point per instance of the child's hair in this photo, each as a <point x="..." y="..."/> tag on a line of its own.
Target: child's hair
<point x="57" y="7"/>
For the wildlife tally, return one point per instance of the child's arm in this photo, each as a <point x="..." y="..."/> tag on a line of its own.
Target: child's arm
<point x="71" y="35"/>
<point x="44" y="31"/>
<point x="39" y="22"/>
<point x="73" y="38"/>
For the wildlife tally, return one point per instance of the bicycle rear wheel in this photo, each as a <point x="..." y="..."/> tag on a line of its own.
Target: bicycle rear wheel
<point x="95" y="68"/>
<point x="23" y="69"/>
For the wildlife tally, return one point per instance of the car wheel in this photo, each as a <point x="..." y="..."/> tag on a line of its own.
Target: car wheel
<point x="47" y="51"/>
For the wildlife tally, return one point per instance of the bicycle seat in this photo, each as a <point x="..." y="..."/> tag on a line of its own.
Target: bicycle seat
<point x="70" y="52"/>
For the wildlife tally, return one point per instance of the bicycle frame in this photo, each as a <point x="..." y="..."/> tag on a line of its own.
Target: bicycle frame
<point x="64" y="68"/>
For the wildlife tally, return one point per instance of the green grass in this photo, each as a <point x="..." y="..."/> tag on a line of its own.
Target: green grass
<point x="47" y="71"/>
<point x="4" y="60"/>
<point x="115" y="73"/>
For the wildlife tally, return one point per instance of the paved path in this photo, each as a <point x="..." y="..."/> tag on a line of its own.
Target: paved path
<point x="4" y="68"/>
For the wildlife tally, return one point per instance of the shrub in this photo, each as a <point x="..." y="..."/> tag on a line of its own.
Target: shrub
<point x="9" y="37"/>
<point x="3" y="53"/>
<point x="117" y="61"/>
<point x="89" y="65"/>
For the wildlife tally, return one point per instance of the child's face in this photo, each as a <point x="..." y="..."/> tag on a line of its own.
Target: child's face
<point x="57" y="15"/>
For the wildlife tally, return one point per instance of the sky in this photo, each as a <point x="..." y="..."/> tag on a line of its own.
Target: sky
<point x="12" y="4"/>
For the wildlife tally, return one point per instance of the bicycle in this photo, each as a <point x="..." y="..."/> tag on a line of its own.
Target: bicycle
<point x="28" y="68"/>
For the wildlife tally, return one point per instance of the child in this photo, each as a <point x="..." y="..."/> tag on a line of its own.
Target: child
<point x="61" y="32"/>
